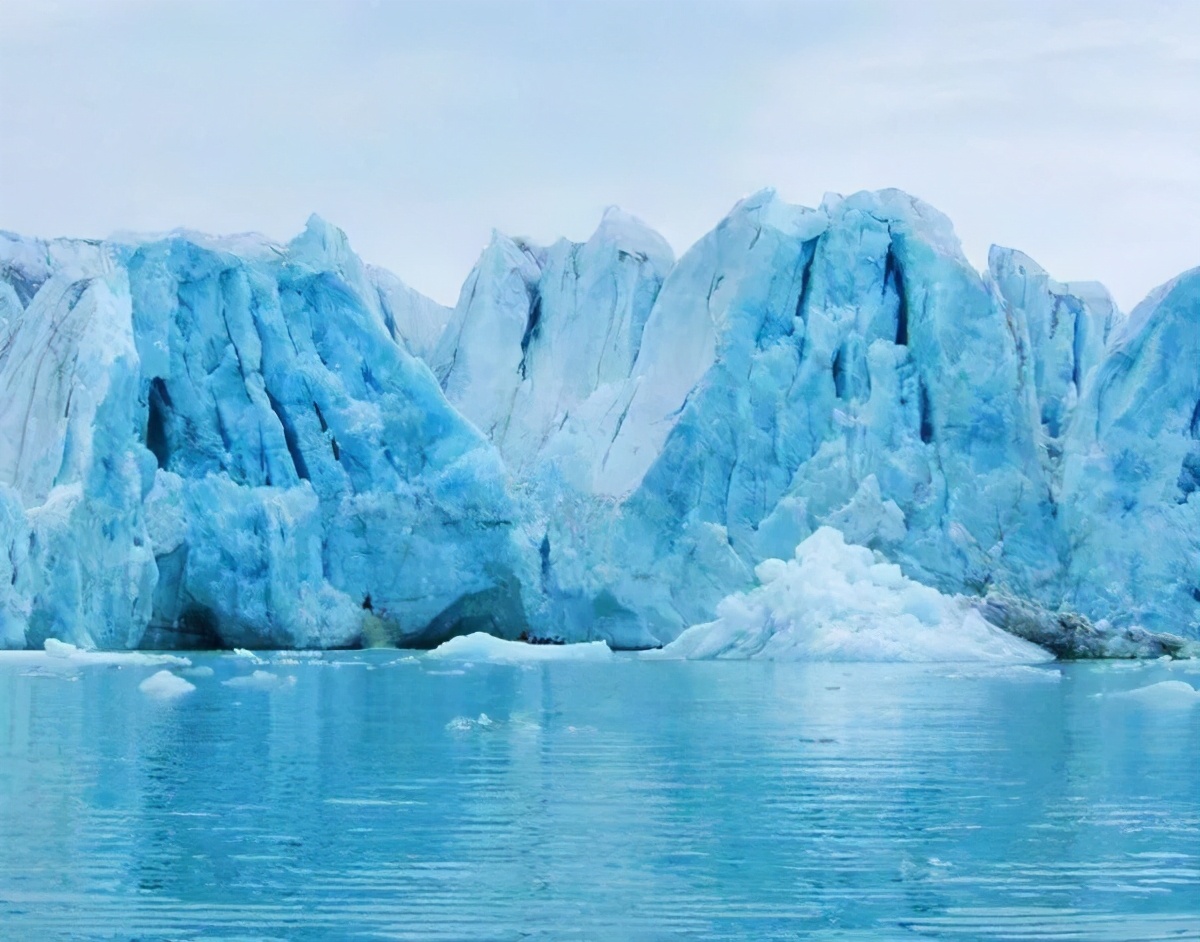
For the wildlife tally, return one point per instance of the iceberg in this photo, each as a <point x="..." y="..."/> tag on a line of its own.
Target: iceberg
<point x="1165" y="695"/>
<point x="165" y="686"/>
<point x="261" y="680"/>
<point x="229" y="442"/>
<point x="834" y="601"/>
<point x="479" y="646"/>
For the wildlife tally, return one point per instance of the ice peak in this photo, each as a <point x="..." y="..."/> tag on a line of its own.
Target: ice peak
<point x="319" y="231"/>
<point x="630" y="234"/>
<point x="615" y="214"/>
<point x="323" y="245"/>
<point x="903" y="212"/>
<point x="1005" y="262"/>
<point x="1155" y="307"/>
<point x="766" y="208"/>
<point x="319" y="226"/>
<point x="513" y="252"/>
<point x="755" y="201"/>
<point x="999" y="255"/>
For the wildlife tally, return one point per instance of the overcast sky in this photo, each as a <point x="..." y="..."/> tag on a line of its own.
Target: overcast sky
<point x="1070" y="130"/>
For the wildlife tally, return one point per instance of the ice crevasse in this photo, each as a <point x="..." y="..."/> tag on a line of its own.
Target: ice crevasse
<point x="233" y="442"/>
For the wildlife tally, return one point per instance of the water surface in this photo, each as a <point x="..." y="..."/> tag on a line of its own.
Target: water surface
<point x="622" y="801"/>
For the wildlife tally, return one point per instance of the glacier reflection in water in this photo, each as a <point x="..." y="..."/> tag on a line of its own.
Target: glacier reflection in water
<point x="382" y="797"/>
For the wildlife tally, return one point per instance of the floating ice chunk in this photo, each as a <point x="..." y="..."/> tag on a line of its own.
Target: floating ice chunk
<point x="197" y="671"/>
<point x="60" y="654"/>
<point x="1166" y="695"/>
<point x="260" y="680"/>
<point x="60" y="649"/>
<point x="1017" y="672"/>
<point x="246" y="655"/>
<point x="165" y="685"/>
<point x="840" y="602"/>
<point x="463" y="724"/>
<point x="484" y="647"/>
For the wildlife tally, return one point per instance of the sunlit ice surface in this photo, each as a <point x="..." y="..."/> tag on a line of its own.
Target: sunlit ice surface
<point x="392" y="795"/>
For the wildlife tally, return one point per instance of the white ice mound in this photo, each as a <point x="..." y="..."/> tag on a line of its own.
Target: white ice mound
<point x="839" y="602"/>
<point x="165" y="685"/>
<point x="260" y="680"/>
<point x="484" y="647"/>
<point x="1168" y="694"/>
<point x="57" y="653"/>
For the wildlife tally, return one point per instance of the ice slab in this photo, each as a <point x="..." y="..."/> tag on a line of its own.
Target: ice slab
<point x="1165" y="695"/>
<point x="483" y="647"/>
<point x="60" y="655"/>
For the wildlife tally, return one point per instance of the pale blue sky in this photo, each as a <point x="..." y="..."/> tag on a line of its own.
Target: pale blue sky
<point x="1070" y="130"/>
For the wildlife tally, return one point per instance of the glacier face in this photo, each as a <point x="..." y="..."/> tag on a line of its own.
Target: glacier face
<point x="215" y="449"/>
<point x="229" y="441"/>
<point x="1131" y="472"/>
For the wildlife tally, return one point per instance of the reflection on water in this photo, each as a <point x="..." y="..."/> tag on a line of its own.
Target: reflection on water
<point x="380" y="799"/>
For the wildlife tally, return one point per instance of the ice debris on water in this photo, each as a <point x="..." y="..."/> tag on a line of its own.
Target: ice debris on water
<point x="834" y="601"/>
<point x="1167" y="694"/>
<point x="463" y="724"/>
<point x="482" y="647"/>
<point x="165" y="685"/>
<point x="55" y="648"/>
<point x="61" y="656"/>
<point x="261" y="680"/>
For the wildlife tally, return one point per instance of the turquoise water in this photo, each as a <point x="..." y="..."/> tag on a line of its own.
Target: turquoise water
<point x="622" y="801"/>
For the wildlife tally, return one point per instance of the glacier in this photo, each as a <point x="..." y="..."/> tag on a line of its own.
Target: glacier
<point x="228" y="442"/>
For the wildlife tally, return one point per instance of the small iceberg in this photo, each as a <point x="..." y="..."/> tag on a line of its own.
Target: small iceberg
<point x="59" y="649"/>
<point x="165" y="686"/>
<point x="1165" y="695"/>
<point x="260" y="680"/>
<point x="839" y="602"/>
<point x="485" y="647"/>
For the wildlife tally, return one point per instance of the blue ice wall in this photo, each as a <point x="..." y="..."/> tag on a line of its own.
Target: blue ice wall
<point x="228" y="441"/>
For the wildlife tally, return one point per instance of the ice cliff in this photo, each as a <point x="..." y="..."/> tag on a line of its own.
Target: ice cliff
<point x="229" y="442"/>
<point x="230" y="448"/>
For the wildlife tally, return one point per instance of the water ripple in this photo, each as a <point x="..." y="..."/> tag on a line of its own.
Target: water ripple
<point x="621" y="801"/>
